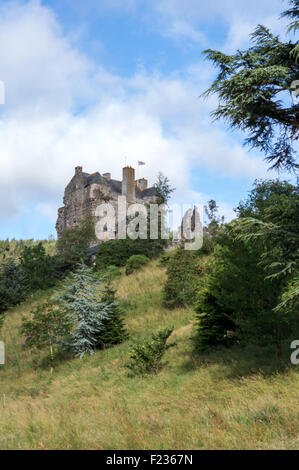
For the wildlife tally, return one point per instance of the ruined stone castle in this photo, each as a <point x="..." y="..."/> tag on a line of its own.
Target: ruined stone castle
<point x="86" y="191"/>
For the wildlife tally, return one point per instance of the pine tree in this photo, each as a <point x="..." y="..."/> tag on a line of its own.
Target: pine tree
<point x="251" y="87"/>
<point x="146" y="356"/>
<point x="39" y="267"/>
<point x="252" y="290"/>
<point x="81" y="302"/>
<point x="113" y="330"/>
<point x="14" y="285"/>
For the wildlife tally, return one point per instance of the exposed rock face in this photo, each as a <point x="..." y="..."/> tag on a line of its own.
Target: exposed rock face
<point x="191" y="224"/>
<point x="86" y="191"/>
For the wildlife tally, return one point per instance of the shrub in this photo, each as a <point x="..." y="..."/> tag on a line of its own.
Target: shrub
<point x="136" y="262"/>
<point x="184" y="276"/>
<point x="117" y="252"/>
<point x="146" y="357"/>
<point x="164" y="260"/>
<point x="110" y="273"/>
<point x="208" y="245"/>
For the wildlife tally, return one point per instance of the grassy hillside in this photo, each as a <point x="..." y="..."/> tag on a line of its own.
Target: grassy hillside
<point x="237" y="399"/>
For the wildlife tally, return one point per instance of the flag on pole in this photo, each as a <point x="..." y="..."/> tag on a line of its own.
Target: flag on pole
<point x="140" y="163"/>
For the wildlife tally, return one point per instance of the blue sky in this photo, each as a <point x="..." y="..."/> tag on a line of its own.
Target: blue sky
<point x="94" y="82"/>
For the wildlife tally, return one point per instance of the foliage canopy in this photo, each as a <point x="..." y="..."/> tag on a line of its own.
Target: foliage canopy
<point x="254" y="88"/>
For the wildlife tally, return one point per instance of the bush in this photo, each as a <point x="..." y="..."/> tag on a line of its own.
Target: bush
<point x="146" y="357"/>
<point x="164" y="260"/>
<point x="110" y="273"/>
<point x="184" y="276"/>
<point x="208" y="245"/>
<point x="136" y="262"/>
<point x="117" y="252"/>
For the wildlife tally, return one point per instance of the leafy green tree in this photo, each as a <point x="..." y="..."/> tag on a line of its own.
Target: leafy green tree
<point x="73" y="244"/>
<point x="254" y="270"/>
<point x="272" y="218"/>
<point x="146" y="356"/>
<point x="212" y="210"/>
<point x="12" y="249"/>
<point x="215" y="220"/>
<point x="289" y="303"/>
<point x="117" y="252"/>
<point x="251" y="87"/>
<point x="14" y="285"/>
<point x="39" y="267"/>
<point x="184" y="275"/>
<point x="47" y="327"/>
<point x="163" y="189"/>
<point x="237" y="302"/>
<point x="271" y="214"/>
<point x="293" y="13"/>
<point x="113" y="330"/>
<point x="81" y="303"/>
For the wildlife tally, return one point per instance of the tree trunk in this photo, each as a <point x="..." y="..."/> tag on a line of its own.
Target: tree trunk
<point x="52" y="356"/>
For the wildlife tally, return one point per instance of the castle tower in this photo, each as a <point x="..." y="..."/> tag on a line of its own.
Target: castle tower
<point x="107" y="176"/>
<point x="128" y="184"/>
<point x="142" y="184"/>
<point x="78" y="170"/>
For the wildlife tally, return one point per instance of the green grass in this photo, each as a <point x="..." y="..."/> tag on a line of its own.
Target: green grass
<point x="228" y="399"/>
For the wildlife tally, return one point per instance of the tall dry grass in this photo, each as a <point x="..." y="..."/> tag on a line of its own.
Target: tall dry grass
<point x="229" y="399"/>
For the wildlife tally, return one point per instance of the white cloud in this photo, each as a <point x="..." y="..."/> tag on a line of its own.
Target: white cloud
<point x="39" y="66"/>
<point x="183" y="20"/>
<point x="240" y="18"/>
<point x="183" y="29"/>
<point x="158" y="119"/>
<point x="193" y="10"/>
